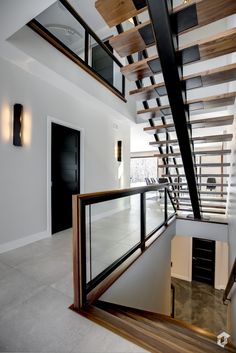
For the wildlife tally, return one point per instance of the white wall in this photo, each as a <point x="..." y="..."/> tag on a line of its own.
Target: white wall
<point x="23" y="176"/>
<point x="146" y="284"/>
<point x="197" y="229"/>
<point x="181" y="258"/>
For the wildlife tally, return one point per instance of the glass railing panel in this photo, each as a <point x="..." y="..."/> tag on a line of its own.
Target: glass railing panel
<point x="62" y="25"/>
<point x="64" y="28"/>
<point x="155" y="210"/>
<point x="103" y="64"/>
<point x="114" y="228"/>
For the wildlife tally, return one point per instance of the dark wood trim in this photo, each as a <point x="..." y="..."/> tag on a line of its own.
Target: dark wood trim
<point x="231" y="281"/>
<point x="44" y="33"/>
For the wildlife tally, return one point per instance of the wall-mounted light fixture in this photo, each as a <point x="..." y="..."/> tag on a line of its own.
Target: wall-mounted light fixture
<point x="119" y="151"/>
<point x="17" y="124"/>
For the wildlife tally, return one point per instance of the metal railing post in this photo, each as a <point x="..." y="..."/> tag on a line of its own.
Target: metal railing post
<point x="142" y="219"/>
<point x="166" y="211"/>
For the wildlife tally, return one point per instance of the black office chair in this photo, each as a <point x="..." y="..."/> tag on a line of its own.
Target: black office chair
<point x="210" y="184"/>
<point x="148" y="181"/>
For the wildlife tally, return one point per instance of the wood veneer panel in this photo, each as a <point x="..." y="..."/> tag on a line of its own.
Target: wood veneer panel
<point x="115" y="12"/>
<point x="214" y="46"/>
<point x="204" y="79"/>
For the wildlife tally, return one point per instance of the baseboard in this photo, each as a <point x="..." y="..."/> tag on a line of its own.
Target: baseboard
<point x="11" y="245"/>
<point x="184" y="278"/>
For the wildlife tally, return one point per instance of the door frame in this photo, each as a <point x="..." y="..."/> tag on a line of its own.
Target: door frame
<point x="73" y="126"/>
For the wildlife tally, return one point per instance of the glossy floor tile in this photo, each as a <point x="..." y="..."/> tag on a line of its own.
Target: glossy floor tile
<point x="201" y="305"/>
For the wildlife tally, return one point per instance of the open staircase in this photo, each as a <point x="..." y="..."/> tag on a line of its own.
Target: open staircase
<point x="157" y="65"/>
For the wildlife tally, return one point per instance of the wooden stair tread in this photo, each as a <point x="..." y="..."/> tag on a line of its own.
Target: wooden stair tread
<point x="202" y="199"/>
<point x="196" y="124"/>
<point x="219" y="175"/>
<point x="203" y="192"/>
<point x="201" y="205"/>
<point x="178" y="154"/>
<point x="193" y="105"/>
<point x="158" y="333"/>
<point x="202" y="79"/>
<point x="115" y="12"/>
<point x="198" y="184"/>
<point x="206" y="139"/>
<point x="211" y="165"/>
<point x="131" y="41"/>
<point x="202" y="211"/>
<point x="214" y="46"/>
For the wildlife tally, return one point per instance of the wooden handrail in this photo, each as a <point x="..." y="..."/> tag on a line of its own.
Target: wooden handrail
<point x="231" y="281"/>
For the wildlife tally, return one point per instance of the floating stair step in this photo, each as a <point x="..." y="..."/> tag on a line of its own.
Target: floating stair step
<point x="202" y="79"/>
<point x="115" y="12"/>
<point x="202" y="199"/>
<point x="202" y="165"/>
<point x="212" y="47"/>
<point x="199" y="153"/>
<point x="202" y="211"/>
<point x="195" y="124"/>
<point x="204" y="192"/>
<point x="141" y="37"/>
<point x="199" y="184"/>
<point x="201" y="205"/>
<point x="193" y="105"/>
<point x="198" y="176"/>
<point x="201" y="139"/>
<point x="134" y="40"/>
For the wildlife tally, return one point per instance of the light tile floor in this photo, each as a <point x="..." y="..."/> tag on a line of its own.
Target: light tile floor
<point x="36" y="288"/>
<point x="35" y="293"/>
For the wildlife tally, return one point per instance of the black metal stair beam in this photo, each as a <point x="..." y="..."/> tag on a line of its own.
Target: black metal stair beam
<point x="139" y="84"/>
<point x="166" y="42"/>
<point x="165" y="160"/>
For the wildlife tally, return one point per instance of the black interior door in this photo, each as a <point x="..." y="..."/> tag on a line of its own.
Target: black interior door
<point x="203" y="261"/>
<point x="65" y="175"/>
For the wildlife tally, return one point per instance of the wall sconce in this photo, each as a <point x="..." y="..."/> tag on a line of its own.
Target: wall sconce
<point x="17" y="124"/>
<point x="119" y="151"/>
